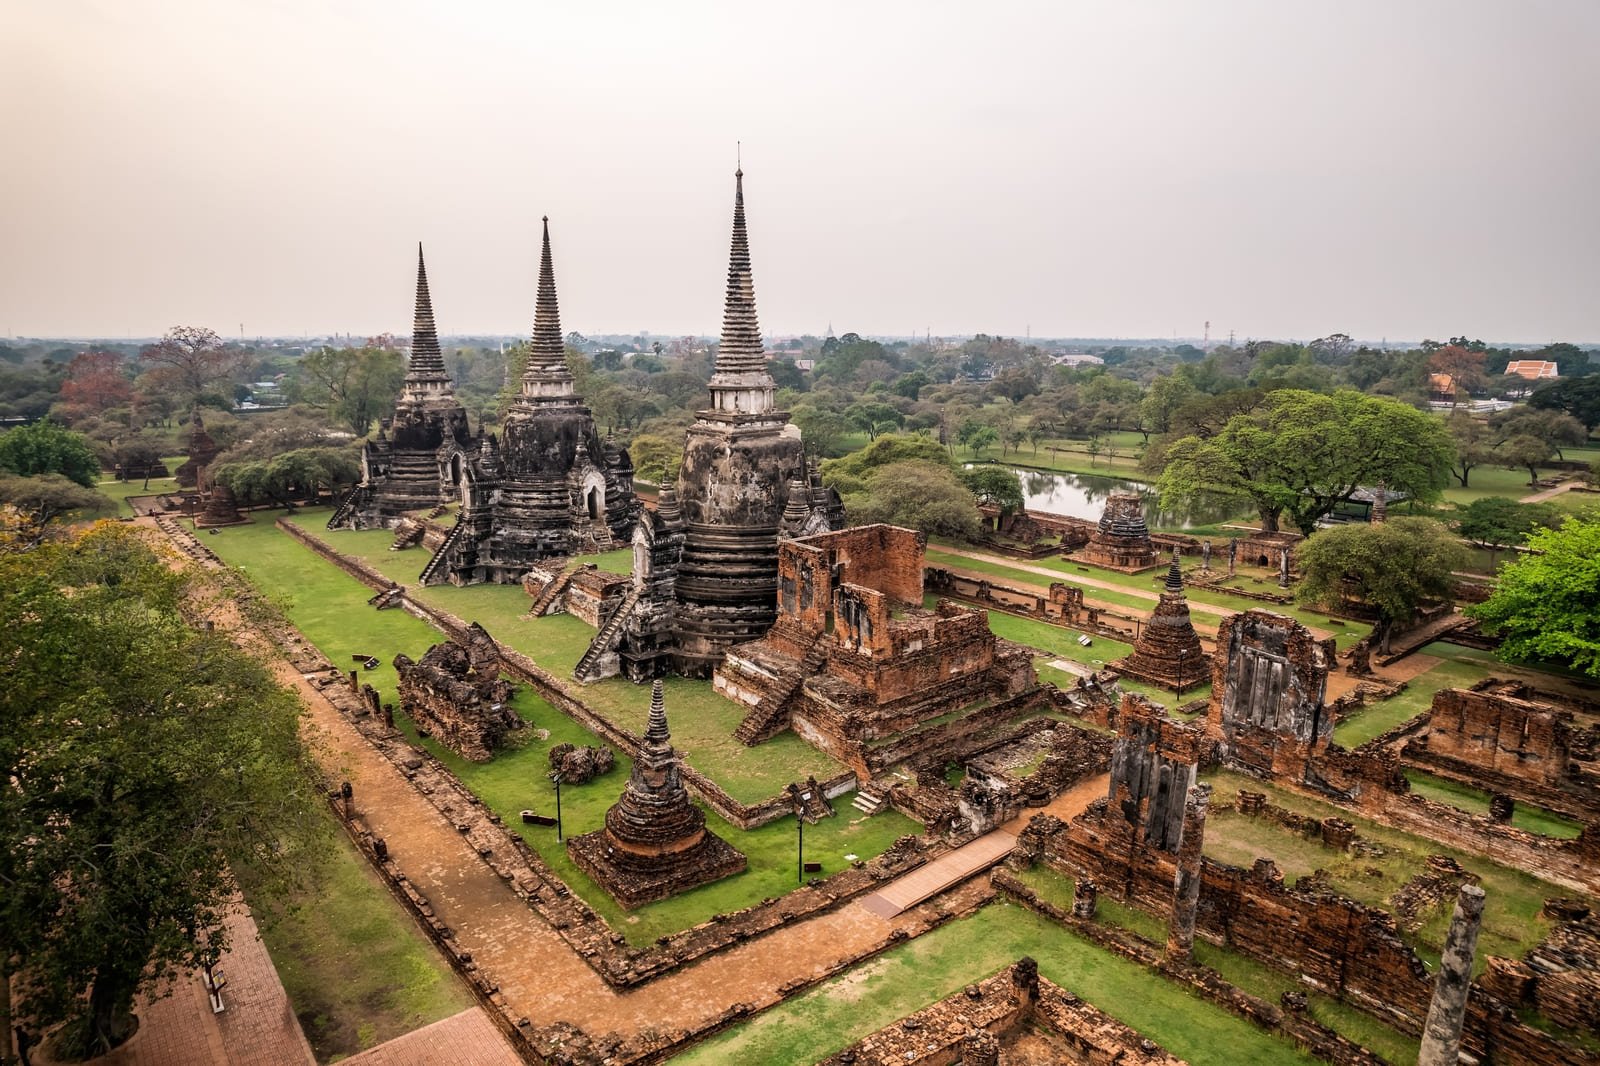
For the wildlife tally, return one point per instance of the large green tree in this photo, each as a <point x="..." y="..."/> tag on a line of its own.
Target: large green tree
<point x="1499" y="522"/>
<point x="1547" y="604"/>
<point x="995" y="485"/>
<point x="145" y="759"/>
<point x="918" y="495"/>
<point x="1298" y="454"/>
<point x="1578" y="397"/>
<point x="1393" y="567"/>
<point x="48" y="448"/>
<point x="354" y="385"/>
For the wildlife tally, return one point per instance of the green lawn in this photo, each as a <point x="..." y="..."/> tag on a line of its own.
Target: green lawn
<point x="1375" y="719"/>
<point x="1476" y="801"/>
<point x="330" y="608"/>
<point x="847" y="1008"/>
<point x="1245" y="973"/>
<point x="357" y="969"/>
<point x="1511" y="915"/>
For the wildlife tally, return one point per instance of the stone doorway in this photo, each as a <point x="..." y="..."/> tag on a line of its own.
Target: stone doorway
<point x="595" y="501"/>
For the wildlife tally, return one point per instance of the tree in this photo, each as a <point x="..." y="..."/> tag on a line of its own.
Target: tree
<point x="918" y="495"/>
<point x="656" y="458"/>
<point x="303" y="471"/>
<point x="146" y="760"/>
<point x="42" y="498"/>
<point x="1165" y="396"/>
<point x="192" y="361"/>
<point x="95" y="381"/>
<point x="1556" y="428"/>
<point x="48" y="448"/>
<point x="1473" y="447"/>
<point x="1393" y="567"/>
<point x="1525" y="452"/>
<point x="354" y="385"/>
<point x="1462" y="364"/>
<point x="997" y="486"/>
<point x="1578" y="397"/>
<point x="1544" y="603"/>
<point x="1301" y="453"/>
<point x="1498" y="522"/>
<point x="873" y="416"/>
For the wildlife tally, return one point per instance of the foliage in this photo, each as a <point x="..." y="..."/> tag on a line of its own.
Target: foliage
<point x="146" y="758"/>
<point x="1578" y="397"/>
<point x="919" y="495"/>
<point x="1556" y="428"/>
<point x="998" y="486"/>
<point x="1464" y="366"/>
<point x="656" y="458"/>
<point x="850" y="474"/>
<point x="1525" y="452"/>
<point x="1473" y="445"/>
<point x="1544" y="603"/>
<point x="354" y="385"/>
<point x="45" y="497"/>
<point x="95" y="381"/>
<point x="308" y="470"/>
<point x="48" y="448"/>
<point x="1301" y="453"/>
<point x="824" y="430"/>
<point x="1497" y="522"/>
<point x="1393" y="567"/>
<point x="191" y="362"/>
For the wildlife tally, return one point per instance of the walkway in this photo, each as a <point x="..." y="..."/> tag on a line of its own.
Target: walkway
<point x="465" y="1039"/>
<point x="934" y="877"/>
<point x="1556" y="490"/>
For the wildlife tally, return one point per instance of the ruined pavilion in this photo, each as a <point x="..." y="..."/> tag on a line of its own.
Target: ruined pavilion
<point x="551" y="486"/>
<point x="415" y="460"/>
<point x="742" y="461"/>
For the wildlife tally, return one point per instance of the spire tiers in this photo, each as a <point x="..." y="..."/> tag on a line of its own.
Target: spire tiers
<point x="1175" y="574"/>
<point x="427" y="361"/>
<point x="546" y="373"/>
<point x="741" y="383"/>
<point x="656" y="734"/>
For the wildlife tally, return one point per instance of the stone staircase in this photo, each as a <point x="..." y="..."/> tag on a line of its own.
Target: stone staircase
<point x="388" y="598"/>
<point x="341" y="513"/>
<point x="601" y="534"/>
<point x="435" y="565"/>
<point x="870" y="799"/>
<point x="407" y="533"/>
<point x="605" y="641"/>
<point x="552" y="589"/>
<point x="766" y="719"/>
<point x="436" y="512"/>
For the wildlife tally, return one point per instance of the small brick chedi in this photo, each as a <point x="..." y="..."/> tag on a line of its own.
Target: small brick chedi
<point x="551" y="487"/>
<point x="1122" y="540"/>
<point x="1168" y="652"/>
<point x="415" y="461"/>
<point x="855" y="658"/>
<point x="742" y="463"/>
<point x="455" y="694"/>
<point x="202" y="449"/>
<point x="655" y="842"/>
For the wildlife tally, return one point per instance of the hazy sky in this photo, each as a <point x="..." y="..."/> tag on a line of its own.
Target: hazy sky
<point x="1281" y="168"/>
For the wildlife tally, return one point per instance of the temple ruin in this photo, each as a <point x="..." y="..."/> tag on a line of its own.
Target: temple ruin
<point x="551" y="486"/>
<point x="415" y="460"/>
<point x="742" y="463"/>
<point x="1167" y="653"/>
<point x="655" y="842"/>
<point x="1269" y="677"/>
<point x="854" y="659"/>
<point x="202" y="449"/>
<point x="456" y="695"/>
<point x="1121" y="541"/>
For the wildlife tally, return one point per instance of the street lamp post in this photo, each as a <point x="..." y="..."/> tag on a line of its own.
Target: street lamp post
<point x="555" y="777"/>
<point x="800" y="849"/>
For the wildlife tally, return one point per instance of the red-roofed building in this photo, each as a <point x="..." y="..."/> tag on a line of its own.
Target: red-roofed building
<point x="1532" y="369"/>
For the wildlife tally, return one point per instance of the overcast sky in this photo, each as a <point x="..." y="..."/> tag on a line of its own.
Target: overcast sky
<point x="1279" y="168"/>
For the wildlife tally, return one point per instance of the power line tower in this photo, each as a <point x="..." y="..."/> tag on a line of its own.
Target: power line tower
<point x="1205" y="341"/>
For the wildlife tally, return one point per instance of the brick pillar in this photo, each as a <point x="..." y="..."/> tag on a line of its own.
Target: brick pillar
<point x="1441" y="1036"/>
<point x="1025" y="985"/>
<point x="1186" y="883"/>
<point x="1085" y="896"/>
<point x="979" y="1048"/>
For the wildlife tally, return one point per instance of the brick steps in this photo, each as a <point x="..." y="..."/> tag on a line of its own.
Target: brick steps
<point x="546" y="596"/>
<point x="436" y="564"/>
<point x="606" y="639"/>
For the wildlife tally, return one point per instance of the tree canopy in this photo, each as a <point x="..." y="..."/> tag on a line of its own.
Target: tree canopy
<point x="1393" y="567"/>
<point x="998" y="486"/>
<point x="48" y="448"/>
<point x="1546" y="604"/>
<point x="1498" y="522"/>
<point x="192" y="361"/>
<point x="1298" y="454"/>
<point x="354" y="385"/>
<point x="919" y="495"/>
<point x="146" y="759"/>
<point x="1578" y="397"/>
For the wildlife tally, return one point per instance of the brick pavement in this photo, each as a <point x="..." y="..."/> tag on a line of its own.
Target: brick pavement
<point x="465" y="1039"/>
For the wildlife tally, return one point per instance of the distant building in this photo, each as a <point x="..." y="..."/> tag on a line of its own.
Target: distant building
<point x="1076" y="359"/>
<point x="806" y="365"/>
<point x="1532" y="369"/>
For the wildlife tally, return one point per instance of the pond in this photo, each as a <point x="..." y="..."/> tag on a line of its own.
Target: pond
<point x="1084" y="496"/>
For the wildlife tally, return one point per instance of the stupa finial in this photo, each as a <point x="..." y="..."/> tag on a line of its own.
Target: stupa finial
<point x="1175" y="573"/>
<point x="547" y="356"/>
<point x="427" y="361"/>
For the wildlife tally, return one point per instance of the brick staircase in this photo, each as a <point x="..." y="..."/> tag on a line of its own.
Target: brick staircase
<point x="553" y="588"/>
<point x="388" y="598"/>
<point x="603" y="540"/>
<point x="869" y="799"/>
<point x="407" y="533"/>
<point x="440" y="557"/>
<point x="606" y="639"/>
<point x="341" y="513"/>
<point x="767" y="718"/>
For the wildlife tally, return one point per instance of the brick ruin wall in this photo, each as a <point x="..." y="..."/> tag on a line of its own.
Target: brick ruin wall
<point x="1500" y="735"/>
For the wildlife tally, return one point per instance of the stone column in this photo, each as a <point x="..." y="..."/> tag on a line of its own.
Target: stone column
<point x="979" y="1048"/>
<point x="1441" y="1036"/>
<point x="1186" y="882"/>
<point x="1085" y="897"/>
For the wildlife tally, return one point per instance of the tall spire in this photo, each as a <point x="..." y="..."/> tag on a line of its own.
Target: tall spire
<point x="546" y="373"/>
<point x="740" y="350"/>
<point x="1175" y="574"/>
<point x="427" y="361"/>
<point x="656" y="751"/>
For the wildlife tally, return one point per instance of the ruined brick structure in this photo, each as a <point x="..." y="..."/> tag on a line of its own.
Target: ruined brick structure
<point x="1507" y="735"/>
<point x="550" y="486"/>
<point x="854" y="659"/>
<point x="455" y="694"/>
<point x="221" y="508"/>
<point x="1168" y="653"/>
<point x="1122" y="540"/>
<point x="202" y="449"/>
<point x="655" y="842"/>
<point x="1269" y="676"/>
<point x="742" y="463"/>
<point x="415" y="461"/>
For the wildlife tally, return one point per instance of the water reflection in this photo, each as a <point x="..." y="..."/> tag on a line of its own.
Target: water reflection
<point x="1084" y="496"/>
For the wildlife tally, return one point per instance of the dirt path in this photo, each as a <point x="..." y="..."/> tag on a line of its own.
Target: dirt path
<point x="1550" y="493"/>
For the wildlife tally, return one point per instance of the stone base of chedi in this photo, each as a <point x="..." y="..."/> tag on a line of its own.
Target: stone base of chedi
<point x="455" y="694"/>
<point x="1122" y="540"/>
<point x="655" y="842"/>
<point x="1168" y="653"/>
